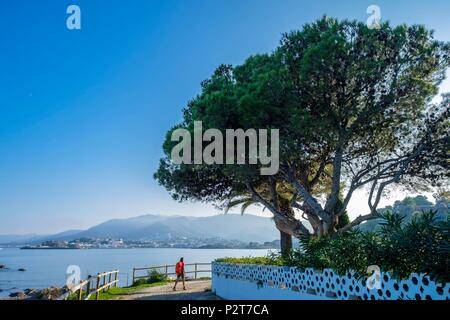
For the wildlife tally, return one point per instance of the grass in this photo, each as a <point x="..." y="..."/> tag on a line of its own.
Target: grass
<point x="114" y="293"/>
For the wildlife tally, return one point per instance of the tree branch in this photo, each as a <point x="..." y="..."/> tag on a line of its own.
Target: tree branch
<point x="358" y="221"/>
<point x="309" y="199"/>
<point x="336" y="181"/>
<point x="287" y="224"/>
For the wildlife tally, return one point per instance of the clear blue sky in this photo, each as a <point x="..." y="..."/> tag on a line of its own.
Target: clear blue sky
<point x="83" y="113"/>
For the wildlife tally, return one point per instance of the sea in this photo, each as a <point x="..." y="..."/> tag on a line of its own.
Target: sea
<point x="52" y="267"/>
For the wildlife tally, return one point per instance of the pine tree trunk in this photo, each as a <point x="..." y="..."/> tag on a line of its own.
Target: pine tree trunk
<point x="286" y="243"/>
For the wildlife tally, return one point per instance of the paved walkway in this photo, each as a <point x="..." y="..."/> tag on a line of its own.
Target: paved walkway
<point x="196" y="290"/>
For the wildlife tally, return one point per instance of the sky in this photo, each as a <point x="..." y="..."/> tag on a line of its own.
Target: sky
<point x="83" y="113"/>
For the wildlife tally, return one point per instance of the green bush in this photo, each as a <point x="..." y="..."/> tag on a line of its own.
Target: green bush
<point x="154" y="276"/>
<point x="140" y="282"/>
<point x="421" y="246"/>
<point x="272" y="259"/>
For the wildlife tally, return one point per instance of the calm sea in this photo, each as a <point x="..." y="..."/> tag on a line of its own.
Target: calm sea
<point x="46" y="268"/>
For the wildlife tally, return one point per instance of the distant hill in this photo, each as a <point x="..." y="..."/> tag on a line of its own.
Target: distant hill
<point x="245" y="228"/>
<point x="150" y="227"/>
<point x="410" y="207"/>
<point x="34" y="238"/>
<point x="8" y="238"/>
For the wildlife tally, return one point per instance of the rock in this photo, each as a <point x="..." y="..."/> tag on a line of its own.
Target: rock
<point x="2" y="266"/>
<point x="51" y="293"/>
<point x="22" y="270"/>
<point x="18" y="295"/>
<point x="31" y="291"/>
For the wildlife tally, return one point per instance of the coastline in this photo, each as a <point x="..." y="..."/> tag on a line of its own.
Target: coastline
<point x="48" y="267"/>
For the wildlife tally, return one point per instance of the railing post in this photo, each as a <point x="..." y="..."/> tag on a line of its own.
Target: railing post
<point x="134" y="274"/>
<point x="117" y="279"/>
<point x="98" y="286"/>
<point x="80" y="292"/>
<point x="88" y="286"/>
<point x="167" y="273"/>
<point x="195" y="271"/>
<point x="105" y="284"/>
<point x="109" y="281"/>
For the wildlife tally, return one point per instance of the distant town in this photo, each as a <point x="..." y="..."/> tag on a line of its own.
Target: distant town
<point x="182" y="242"/>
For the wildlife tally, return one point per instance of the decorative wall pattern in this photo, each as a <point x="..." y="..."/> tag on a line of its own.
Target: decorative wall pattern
<point x="328" y="284"/>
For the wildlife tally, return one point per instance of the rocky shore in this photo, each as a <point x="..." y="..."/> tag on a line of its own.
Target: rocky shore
<point x="51" y="293"/>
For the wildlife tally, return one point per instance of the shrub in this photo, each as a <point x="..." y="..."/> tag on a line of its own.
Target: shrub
<point x="153" y="277"/>
<point x="140" y="282"/>
<point x="421" y="246"/>
<point x="271" y="259"/>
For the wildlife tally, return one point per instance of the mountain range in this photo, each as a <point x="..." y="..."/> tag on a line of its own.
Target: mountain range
<point x="245" y="228"/>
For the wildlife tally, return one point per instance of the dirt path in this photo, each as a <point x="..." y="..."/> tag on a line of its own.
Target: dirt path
<point x="196" y="290"/>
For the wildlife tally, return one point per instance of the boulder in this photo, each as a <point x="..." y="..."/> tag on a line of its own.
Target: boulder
<point x="22" y="269"/>
<point x="31" y="291"/>
<point x="51" y="293"/>
<point x="18" y="295"/>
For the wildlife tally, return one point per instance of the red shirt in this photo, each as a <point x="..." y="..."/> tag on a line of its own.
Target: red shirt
<point x="179" y="268"/>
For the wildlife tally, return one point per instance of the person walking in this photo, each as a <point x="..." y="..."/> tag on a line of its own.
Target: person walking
<point x="179" y="270"/>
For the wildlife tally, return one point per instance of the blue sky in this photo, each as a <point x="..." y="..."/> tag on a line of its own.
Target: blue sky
<point x="83" y="113"/>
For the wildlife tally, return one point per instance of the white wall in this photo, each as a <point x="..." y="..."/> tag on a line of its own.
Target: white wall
<point x="255" y="282"/>
<point x="231" y="289"/>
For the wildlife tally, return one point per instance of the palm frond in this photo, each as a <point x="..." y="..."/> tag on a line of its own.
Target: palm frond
<point x="236" y="202"/>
